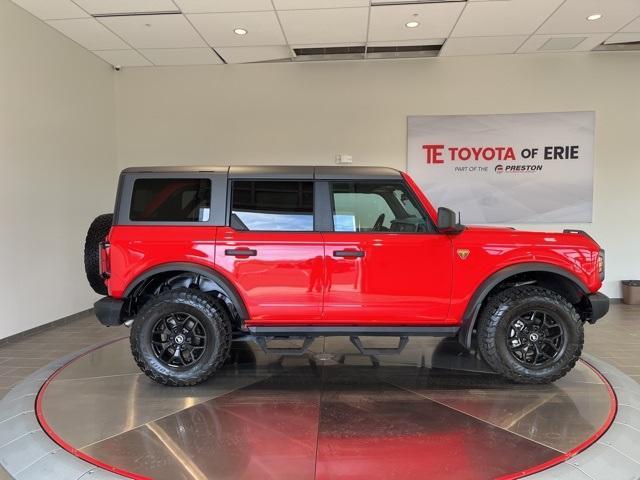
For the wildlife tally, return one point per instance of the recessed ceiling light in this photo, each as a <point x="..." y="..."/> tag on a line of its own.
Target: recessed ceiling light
<point x="412" y="24"/>
<point x="595" y="16"/>
<point x="240" y="31"/>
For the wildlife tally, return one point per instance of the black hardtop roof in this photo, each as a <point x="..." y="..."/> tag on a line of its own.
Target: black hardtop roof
<point x="280" y="172"/>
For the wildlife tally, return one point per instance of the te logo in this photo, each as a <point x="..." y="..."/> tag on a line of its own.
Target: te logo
<point x="499" y="169"/>
<point x="433" y="153"/>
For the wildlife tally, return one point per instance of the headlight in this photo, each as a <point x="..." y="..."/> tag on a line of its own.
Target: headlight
<point x="601" y="264"/>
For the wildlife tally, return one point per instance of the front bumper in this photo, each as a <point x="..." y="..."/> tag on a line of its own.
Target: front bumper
<point x="599" y="306"/>
<point x="109" y="311"/>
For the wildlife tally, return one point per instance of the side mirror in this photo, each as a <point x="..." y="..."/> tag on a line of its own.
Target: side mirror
<point x="447" y="222"/>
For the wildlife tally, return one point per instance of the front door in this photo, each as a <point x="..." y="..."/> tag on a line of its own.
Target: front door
<point x="271" y="253"/>
<point x="385" y="262"/>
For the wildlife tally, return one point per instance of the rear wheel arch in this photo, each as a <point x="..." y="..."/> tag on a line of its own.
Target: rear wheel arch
<point x="186" y="275"/>
<point x="550" y="276"/>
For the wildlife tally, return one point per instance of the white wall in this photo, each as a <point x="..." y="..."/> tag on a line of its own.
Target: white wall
<point x="57" y="159"/>
<point x="306" y="113"/>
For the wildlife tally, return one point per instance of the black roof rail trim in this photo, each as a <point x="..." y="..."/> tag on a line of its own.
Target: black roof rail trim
<point x="297" y="172"/>
<point x="356" y="173"/>
<point x="273" y="172"/>
<point x="178" y="169"/>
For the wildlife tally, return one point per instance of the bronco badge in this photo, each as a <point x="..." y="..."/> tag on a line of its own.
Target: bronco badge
<point x="463" y="253"/>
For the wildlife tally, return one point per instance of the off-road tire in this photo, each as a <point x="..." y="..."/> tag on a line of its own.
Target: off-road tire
<point x="492" y="333"/>
<point x="98" y="231"/>
<point x="213" y="315"/>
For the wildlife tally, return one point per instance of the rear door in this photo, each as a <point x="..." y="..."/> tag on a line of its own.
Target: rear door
<point x="385" y="262"/>
<point x="270" y="251"/>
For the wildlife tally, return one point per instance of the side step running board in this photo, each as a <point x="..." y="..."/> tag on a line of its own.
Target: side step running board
<point x="262" y="342"/>
<point x="300" y="331"/>
<point x="379" y="351"/>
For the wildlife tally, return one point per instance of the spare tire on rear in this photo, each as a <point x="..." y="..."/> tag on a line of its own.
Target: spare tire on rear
<point x="98" y="231"/>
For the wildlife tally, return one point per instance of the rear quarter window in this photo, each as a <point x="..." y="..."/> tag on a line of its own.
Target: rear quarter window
<point x="171" y="200"/>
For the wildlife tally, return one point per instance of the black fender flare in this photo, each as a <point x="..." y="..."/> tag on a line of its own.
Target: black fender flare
<point x="475" y="302"/>
<point x="216" y="277"/>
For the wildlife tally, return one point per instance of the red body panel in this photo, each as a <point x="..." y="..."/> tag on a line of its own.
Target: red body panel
<point x="492" y="249"/>
<point x="402" y="279"/>
<point x="136" y="249"/>
<point x="283" y="282"/>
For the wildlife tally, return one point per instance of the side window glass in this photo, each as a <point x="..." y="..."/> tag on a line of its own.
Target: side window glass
<point x="375" y="207"/>
<point x="272" y="206"/>
<point x="170" y="200"/>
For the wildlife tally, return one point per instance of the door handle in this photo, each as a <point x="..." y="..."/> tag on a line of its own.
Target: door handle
<point x="348" y="253"/>
<point x="240" y="252"/>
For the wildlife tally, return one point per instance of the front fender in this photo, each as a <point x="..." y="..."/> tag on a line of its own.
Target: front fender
<point x="472" y="309"/>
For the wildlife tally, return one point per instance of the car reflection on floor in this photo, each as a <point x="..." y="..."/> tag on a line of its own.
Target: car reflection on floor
<point x="432" y="412"/>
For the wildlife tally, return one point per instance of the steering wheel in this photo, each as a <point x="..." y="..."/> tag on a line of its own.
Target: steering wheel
<point x="378" y="225"/>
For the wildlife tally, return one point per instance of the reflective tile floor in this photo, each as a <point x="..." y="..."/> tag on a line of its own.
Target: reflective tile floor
<point x="331" y="414"/>
<point x="331" y="418"/>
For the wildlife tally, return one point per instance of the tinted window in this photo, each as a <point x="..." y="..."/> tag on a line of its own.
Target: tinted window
<point x="375" y="207"/>
<point x="264" y="205"/>
<point x="170" y="200"/>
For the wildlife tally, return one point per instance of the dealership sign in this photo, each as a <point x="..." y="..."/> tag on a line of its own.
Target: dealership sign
<point x="515" y="168"/>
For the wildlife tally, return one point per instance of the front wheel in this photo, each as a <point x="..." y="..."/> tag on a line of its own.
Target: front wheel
<point x="530" y="334"/>
<point x="181" y="337"/>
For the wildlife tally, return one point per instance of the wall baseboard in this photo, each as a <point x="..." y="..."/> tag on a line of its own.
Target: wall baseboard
<point x="46" y="326"/>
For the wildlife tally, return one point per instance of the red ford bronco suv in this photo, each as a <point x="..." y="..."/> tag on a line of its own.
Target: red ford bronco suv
<point x="193" y="256"/>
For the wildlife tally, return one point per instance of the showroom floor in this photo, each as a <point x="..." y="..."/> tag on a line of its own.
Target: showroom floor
<point x="615" y="340"/>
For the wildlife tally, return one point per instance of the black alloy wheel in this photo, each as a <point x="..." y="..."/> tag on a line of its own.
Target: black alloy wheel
<point x="179" y="340"/>
<point x="536" y="338"/>
<point x="181" y="337"/>
<point x="530" y="334"/>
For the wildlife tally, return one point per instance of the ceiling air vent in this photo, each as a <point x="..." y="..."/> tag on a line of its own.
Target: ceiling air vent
<point x="410" y="51"/>
<point x="360" y="52"/>
<point x="135" y="14"/>
<point x="329" y="53"/>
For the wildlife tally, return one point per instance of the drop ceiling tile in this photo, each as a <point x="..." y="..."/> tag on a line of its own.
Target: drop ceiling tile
<point x="561" y="43"/>
<point x="340" y="25"/>
<point x="436" y="20"/>
<point x="218" y="28"/>
<point x="254" y="54"/>
<point x="516" y="17"/>
<point x="571" y="17"/>
<point x="181" y="56"/>
<point x="314" y="4"/>
<point x="221" y="6"/>
<point x="536" y="43"/>
<point x="123" y="58"/>
<point x="89" y="33"/>
<point x="102" y="7"/>
<point x="482" y="45"/>
<point x="155" y="31"/>
<point x="408" y="43"/>
<point x="623" y="38"/>
<point x="633" y="27"/>
<point x="52" y="9"/>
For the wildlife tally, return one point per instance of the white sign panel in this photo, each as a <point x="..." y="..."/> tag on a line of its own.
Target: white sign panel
<point x="520" y="168"/>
